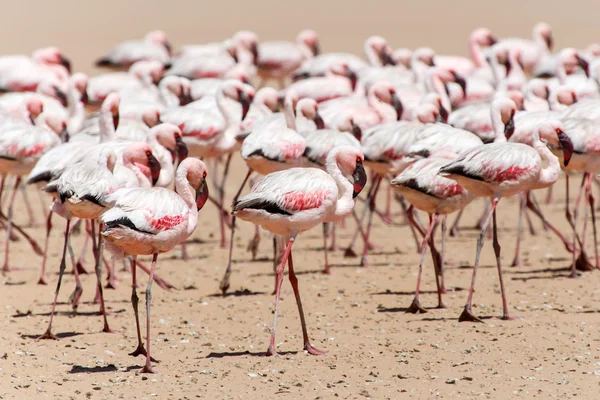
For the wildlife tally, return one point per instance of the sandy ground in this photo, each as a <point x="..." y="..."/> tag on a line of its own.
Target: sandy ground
<point x="211" y="346"/>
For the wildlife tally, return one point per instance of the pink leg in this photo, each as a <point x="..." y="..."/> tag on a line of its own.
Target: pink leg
<point x="327" y="270"/>
<point x="517" y="260"/>
<point x="98" y="271"/>
<point x="573" y="273"/>
<point x="535" y="208"/>
<point x="454" y="227"/>
<point x="549" y="195"/>
<point x="76" y="295"/>
<point x="467" y="314"/>
<point x="81" y="260"/>
<point x="42" y="279"/>
<point x="505" y="315"/>
<point x="294" y="281"/>
<point x="377" y="183"/>
<point x="278" y="281"/>
<point x="415" y="306"/>
<point x="159" y="281"/>
<point x="140" y="350"/>
<point x="254" y="242"/>
<point x="148" y="366"/>
<point x="48" y="333"/>
<point x="32" y="219"/>
<point x="6" y="268"/>
<point x="591" y="201"/>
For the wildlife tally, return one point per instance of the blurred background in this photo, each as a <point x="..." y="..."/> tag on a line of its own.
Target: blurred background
<point x="85" y="30"/>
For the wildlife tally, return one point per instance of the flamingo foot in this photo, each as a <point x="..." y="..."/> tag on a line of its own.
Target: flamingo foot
<point x="42" y="281"/>
<point x="6" y="268"/>
<point x="372" y="246"/>
<point x="468" y="316"/>
<point x="583" y="263"/>
<point x="350" y="253"/>
<point x="81" y="267"/>
<point x="327" y="270"/>
<point x="74" y="298"/>
<point x="454" y="232"/>
<point x="111" y="284"/>
<point x="48" y="335"/>
<point x="415" y="308"/>
<point x="516" y="262"/>
<point x="364" y="262"/>
<point x="508" y="318"/>
<point x="224" y="285"/>
<point x="253" y="246"/>
<point x="141" y="351"/>
<point x="147" y="369"/>
<point x="271" y="351"/>
<point x="312" y="350"/>
<point x="441" y="306"/>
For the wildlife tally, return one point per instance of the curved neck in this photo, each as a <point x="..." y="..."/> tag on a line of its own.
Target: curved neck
<point x="561" y="73"/>
<point x="76" y="111"/>
<point x="345" y="202"/>
<point x="497" y="125"/>
<point x="107" y="126"/>
<point x="288" y="113"/>
<point x="434" y="84"/>
<point x="549" y="174"/>
<point x="186" y="192"/>
<point x="372" y="57"/>
<point x="167" y="97"/>
<point x="385" y="111"/>
<point x="143" y="179"/>
<point x="228" y="113"/>
<point x="476" y="53"/>
<point x="165" y="160"/>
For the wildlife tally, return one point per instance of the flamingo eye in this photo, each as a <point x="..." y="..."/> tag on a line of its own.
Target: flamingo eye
<point x="204" y="174"/>
<point x="148" y="152"/>
<point x="558" y="131"/>
<point x="358" y="159"/>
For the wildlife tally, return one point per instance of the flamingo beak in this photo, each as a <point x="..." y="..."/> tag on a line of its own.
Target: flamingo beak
<point x="254" y="50"/>
<point x="585" y="66"/>
<point x="431" y="62"/>
<point x="84" y="98"/>
<point x="245" y="100"/>
<point x="181" y="148"/>
<point x="168" y="47"/>
<point x="509" y="128"/>
<point x="549" y="42"/>
<point x="116" y="118"/>
<point x="185" y="98"/>
<point x="65" y="62"/>
<point x="567" y="147"/>
<point x="460" y="81"/>
<point x="493" y="40"/>
<point x="64" y="134"/>
<point x="319" y="121"/>
<point x="154" y="166"/>
<point x="353" y="78"/>
<point x="360" y="178"/>
<point x="438" y="118"/>
<point x="356" y="131"/>
<point x="61" y="96"/>
<point x="386" y="58"/>
<point x="397" y="104"/>
<point x="443" y="114"/>
<point x="315" y="49"/>
<point x="300" y="76"/>
<point x="202" y="194"/>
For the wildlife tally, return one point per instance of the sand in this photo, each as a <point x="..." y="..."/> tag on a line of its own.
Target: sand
<point x="211" y="347"/>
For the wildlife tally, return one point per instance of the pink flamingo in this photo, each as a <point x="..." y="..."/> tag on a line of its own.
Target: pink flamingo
<point x="270" y="147"/>
<point x="428" y="191"/>
<point x="278" y="59"/>
<point x="499" y="170"/>
<point x="19" y="73"/>
<point x="339" y="82"/>
<point x="289" y="202"/>
<point x="479" y="38"/>
<point x="146" y="221"/>
<point x="532" y="51"/>
<point x="153" y="47"/>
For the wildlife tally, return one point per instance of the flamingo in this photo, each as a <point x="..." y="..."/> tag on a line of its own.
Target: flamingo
<point x="144" y="221"/>
<point x="19" y="73"/>
<point x="504" y="169"/>
<point x="289" y="202"/>
<point x="428" y="191"/>
<point x="154" y="46"/>
<point x="532" y="51"/>
<point x="278" y="59"/>
<point x="480" y="37"/>
<point x="339" y="82"/>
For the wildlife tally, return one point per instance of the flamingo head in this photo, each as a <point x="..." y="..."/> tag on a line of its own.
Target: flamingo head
<point x="79" y="82"/>
<point x="386" y="92"/>
<point x="51" y="55"/>
<point x="309" y="38"/>
<point x="350" y="161"/>
<point x="34" y="106"/>
<point x="553" y="132"/>
<point x="545" y="32"/>
<point x="269" y="97"/>
<point x="169" y="136"/>
<point x="247" y="41"/>
<point x="483" y="37"/>
<point x="428" y="114"/>
<point x="195" y="173"/>
<point x="571" y="59"/>
<point x="58" y="125"/>
<point x="310" y="109"/>
<point x="51" y="90"/>
<point x="140" y="154"/>
<point x="111" y="105"/>
<point x="160" y="38"/>
<point x="380" y="46"/>
<point x="180" y="87"/>
<point x="342" y="69"/>
<point x="402" y="56"/>
<point x="566" y="95"/>
<point x="425" y="55"/>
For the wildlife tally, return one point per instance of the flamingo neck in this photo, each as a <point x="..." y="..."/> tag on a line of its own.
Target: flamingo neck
<point x="107" y="127"/>
<point x="497" y="125"/>
<point x="76" y="110"/>
<point x="165" y="160"/>
<point x="372" y="56"/>
<point x="476" y="53"/>
<point x="226" y="109"/>
<point x="186" y="192"/>
<point x="288" y="113"/>
<point x="561" y="73"/>
<point x="143" y="180"/>
<point x="549" y="174"/>
<point x="345" y="202"/>
<point x="435" y="84"/>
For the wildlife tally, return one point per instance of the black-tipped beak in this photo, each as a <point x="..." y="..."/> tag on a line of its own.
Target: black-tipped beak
<point x="315" y="49"/>
<point x="65" y="62"/>
<point x="460" y="81"/>
<point x="84" y="98"/>
<point x="202" y="194"/>
<point x="431" y="62"/>
<point x="585" y="66"/>
<point x="360" y="178"/>
<point x="182" y="150"/>
<point x="61" y="96"/>
<point x="185" y="98"/>
<point x="116" y="118"/>
<point x="567" y="147"/>
<point x="254" y="50"/>
<point x="444" y="114"/>
<point x="356" y="131"/>
<point x="386" y="59"/>
<point x="245" y="101"/>
<point x="437" y="118"/>
<point x="549" y="42"/>
<point x="64" y="134"/>
<point x="509" y="128"/>
<point x="353" y="78"/>
<point x="300" y="76"/>
<point x="168" y="47"/>
<point x="319" y="121"/>
<point x="397" y="104"/>
<point x="493" y="40"/>
<point x="154" y="166"/>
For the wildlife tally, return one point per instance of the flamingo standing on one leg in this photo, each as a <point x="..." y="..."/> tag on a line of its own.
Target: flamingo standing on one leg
<point x="504" y="169"/>
<point x="296" y="200"/>
<point x="144" y="221"/>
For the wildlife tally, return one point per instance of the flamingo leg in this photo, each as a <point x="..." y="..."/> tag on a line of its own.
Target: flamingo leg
<point x="42" y="278"/>
<point x="271" y="351"/>
<point x="454" y="227"/>
<point x="591" y="202"/>
<point x="254" y="242"/>
<point x="549" y="195"/>
<point x="441" y="287"/>
<point x="349" y="252"/>
<point x="81" y="260"/>
<point x="48" y="333"/>
<point x="376" y="184"/>
<point x="221" y="188"/>
<point x="11" y="201"/>
<point x="522" y="203"/>
<point x="76" y="295"/>
<point x="148" y="366"/>
<point x="140" y="350"/>
<point x="224" y="285"/>
<point x="415" y="306"/>
<point x="98" y="270"/>
<point x="536" y="209"/>
<point x="497" y="248"/>
<point x="32" y="219"/>
<point x="294" y="281"/>
<point x="467" y="314"/>
<point x="327" y="270"/>
<point x="573" y="273"/>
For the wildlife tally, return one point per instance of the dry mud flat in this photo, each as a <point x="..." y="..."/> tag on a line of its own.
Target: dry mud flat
<point x="211" y="346"/>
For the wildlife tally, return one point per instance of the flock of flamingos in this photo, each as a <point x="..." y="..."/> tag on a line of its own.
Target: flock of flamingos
<point x="119" y="154"/>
